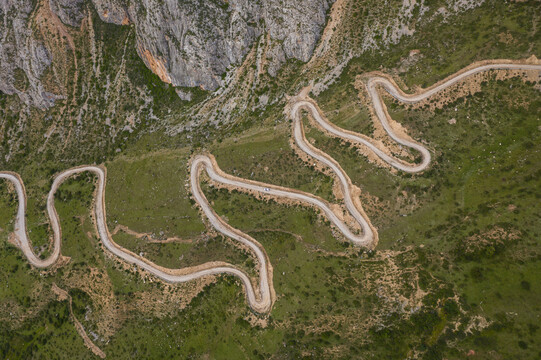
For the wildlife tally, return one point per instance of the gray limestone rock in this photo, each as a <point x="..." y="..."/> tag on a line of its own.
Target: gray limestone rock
<point x="193" y="42"/>
<point x="71" y="12"/>
<point x="189" y="43"/>
<point x="23" y="58"/>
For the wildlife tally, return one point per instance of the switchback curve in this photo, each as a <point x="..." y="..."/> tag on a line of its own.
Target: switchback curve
<point x="261" y="297"/>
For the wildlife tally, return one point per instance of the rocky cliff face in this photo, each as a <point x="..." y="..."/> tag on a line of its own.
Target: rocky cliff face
<point x="23" y="58"/>
<point x="71" y="12"/>
<point x="193" y="42"/>
<point x="189" y="43"/>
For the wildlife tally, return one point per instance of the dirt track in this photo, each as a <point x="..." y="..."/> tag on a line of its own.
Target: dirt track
<point x="261" y="297"/>
<point x="23" y="242"/>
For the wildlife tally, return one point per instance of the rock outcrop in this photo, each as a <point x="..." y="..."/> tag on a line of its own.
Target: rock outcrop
<point x="190" y="43"/>
<point x="193" y="42"/>
<point x="71" y="12"/>
<point x="23" y="58"/>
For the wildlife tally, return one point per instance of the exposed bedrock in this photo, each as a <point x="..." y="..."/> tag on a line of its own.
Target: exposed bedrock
<point x="71" y="12"/>
<point x="23" y="58"/>
<point x="189" y="43"/>
<point x="193" y="42"/>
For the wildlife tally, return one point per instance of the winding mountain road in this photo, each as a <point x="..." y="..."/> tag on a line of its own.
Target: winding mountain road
<point x="23" y="242"/>
<point x="260" y="297"/>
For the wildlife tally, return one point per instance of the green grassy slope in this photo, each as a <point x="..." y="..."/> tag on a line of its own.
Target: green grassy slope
<point x="456" y="268"/>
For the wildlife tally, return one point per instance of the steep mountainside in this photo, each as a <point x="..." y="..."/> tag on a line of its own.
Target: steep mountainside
<point x="186" y="43"/>
<point x="150" y="91"/>
<point x="23" y="57"/>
